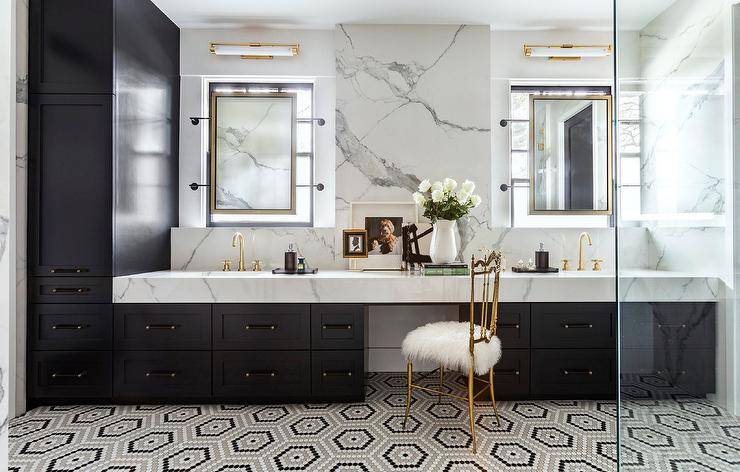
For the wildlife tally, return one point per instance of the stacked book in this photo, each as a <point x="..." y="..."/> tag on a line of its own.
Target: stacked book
<point x="453" y="268"/>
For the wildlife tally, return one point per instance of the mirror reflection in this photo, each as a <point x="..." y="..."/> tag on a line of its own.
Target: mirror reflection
<point x="571" y="154"/>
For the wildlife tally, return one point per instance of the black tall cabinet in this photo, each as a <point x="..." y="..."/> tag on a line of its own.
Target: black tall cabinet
<point x="103" y="172"/>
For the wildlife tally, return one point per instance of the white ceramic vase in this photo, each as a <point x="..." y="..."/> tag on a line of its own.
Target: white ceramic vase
<point x="443" y="247"/>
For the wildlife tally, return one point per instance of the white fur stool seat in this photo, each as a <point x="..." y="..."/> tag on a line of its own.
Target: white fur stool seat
<point x="447" y="343"/>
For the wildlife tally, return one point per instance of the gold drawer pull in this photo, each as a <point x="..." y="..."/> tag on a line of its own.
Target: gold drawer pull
<point x="660" y="325"/>
<point x="261" y="373"/>
<point x="506" y="372"/>
<point x="271" y="327"/>
<point x="336" y="326"/>
<point x="62" y="375"/>
<point x="68" y="326"/>
<point x="577" y="325"/>
<point x="509" y="325"/>
<point x="161" y="326"/>
<point x="338" y="373"/>
<point x="76" y="270"/>
<point x="162" y="373"/>
<point x="577" y="371"/>
<point x="70" y="290"/>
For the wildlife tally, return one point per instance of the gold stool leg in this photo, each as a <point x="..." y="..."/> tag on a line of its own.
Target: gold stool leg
<point x="493" y="398"/>
<point x="471" y="380"/>
<point x="441" y="382"/>
<point x="409" y="369"/>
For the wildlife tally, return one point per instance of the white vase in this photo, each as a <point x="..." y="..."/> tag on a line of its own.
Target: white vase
<point x="443" y="247"/>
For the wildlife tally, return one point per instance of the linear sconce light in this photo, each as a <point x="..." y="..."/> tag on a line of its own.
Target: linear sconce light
<point x="254" y="50"/>
<point x="566" y="52"/>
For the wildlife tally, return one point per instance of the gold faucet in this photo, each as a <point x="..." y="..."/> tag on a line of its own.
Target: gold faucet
<point x="580" y="249"/>
<point x="239" y="237"/>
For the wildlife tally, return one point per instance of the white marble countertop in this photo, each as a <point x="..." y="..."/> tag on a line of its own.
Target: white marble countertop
<point x="338" y="286"/>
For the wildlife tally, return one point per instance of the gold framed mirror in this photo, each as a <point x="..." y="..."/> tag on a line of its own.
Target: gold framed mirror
<point x="253" y="153"/>
<point x="571" y="155"/>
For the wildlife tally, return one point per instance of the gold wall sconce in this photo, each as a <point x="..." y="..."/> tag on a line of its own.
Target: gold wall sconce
<point x="254" y="50"/>
<point x="567" y="52"/>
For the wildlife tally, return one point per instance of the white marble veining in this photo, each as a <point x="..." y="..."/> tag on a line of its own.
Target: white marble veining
<point x="332" y="286"/>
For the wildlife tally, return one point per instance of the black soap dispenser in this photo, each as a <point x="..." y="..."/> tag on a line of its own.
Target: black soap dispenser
<point x="290" y="259"/>
<point x="542" y="258"/>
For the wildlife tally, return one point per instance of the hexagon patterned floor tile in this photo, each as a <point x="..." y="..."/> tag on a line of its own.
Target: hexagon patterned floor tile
<point x="660" y="435"/>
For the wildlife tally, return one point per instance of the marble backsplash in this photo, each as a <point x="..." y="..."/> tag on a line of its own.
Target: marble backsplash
<point x="204" y="248"/>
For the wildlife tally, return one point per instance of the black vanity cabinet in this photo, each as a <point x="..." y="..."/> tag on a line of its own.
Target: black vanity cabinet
<point x="92" y="64"/>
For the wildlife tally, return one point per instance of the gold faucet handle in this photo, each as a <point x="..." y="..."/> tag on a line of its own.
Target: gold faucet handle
<point x="597" y="263"/>
<point x="226" y="265"/>
<point x="257" y="265"/>
<point x="566" y="264"/>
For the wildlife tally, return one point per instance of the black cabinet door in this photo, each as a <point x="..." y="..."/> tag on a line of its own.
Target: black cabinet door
<point x="162" y="326"/>
<point x="574" y="325"/>
<point x="70" y="181"/>
<point x="573" y="373"/>
<point x="70" y="327"/>
<point x="71" y="46"/>
<point x="262" y="375"/>
<point x="337" y="326"/>
<point x="71" y="289"/>
<point x="261" y="326"/>
<point x="162" y="374"/>
<point x="70" y="374"/>
<point x="511" y="374"/>
<point x="338" y="375"/>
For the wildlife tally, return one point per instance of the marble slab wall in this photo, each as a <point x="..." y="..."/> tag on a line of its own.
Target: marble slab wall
<point x="685" y="115"/>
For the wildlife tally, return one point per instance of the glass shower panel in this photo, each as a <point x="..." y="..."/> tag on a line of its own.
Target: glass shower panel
<point x="676" y="237"/>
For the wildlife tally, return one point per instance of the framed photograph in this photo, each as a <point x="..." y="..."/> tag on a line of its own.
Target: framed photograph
<point x="354" y="243"/>
<point x="382" y="222"/>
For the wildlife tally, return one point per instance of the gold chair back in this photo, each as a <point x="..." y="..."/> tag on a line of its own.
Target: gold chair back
<point x="488" y="267"/>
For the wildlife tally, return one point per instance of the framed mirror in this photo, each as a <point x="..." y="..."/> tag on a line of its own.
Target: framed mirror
<point x="571" y="155"/>
<point x="253" y="153"/>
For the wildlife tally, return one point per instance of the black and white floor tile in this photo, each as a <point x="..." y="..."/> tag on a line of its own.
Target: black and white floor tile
<point x="568" y="436"/>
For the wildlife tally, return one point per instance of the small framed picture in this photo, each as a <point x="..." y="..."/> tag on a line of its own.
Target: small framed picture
<point x="382" y="222"/>
<point x="354" y="243"/>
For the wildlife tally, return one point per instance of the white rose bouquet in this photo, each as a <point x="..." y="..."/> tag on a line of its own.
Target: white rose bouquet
<point x="441" y="202"/>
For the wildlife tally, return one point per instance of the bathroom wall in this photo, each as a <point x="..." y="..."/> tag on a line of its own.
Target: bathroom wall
<point x="438" y="124"/>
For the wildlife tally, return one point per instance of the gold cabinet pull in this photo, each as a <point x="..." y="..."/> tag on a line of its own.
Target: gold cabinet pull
<point x="577" y="325"/>
<point x="508" y="325"/>
<point x="260" y="373"/>
<point x="506" y="372"/>
<point x="271" y="327"/>
<point x="70" y="290"/>
<point x="336" y="326"/>
<point x="577" y="371"/>
<point x="162" y="373"/>
<point x="680" y="326"/>
<point x="75" y="270"/>
<point x="171" y="327"/>
<point x="337" y="373"/>
<point x="63" y="375"/>
<point x="68" y="326"/>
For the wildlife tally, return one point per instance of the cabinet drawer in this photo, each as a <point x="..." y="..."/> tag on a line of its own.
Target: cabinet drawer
<point x="70" y="327"/>
<point x="262" y="374"/>
<point x="511" y="374"/>
<point x="691" y="371"/>
<point x="337" y="326"/>
<point x="67" y="374"/>
<point x="71" y="290"/>
<point x="261" y="326"/>
<point x="162" y="374"/>
<point x="576" y="373"/>
<point x="573" y="325"/>
<point x="162" y="327"/>
<point x="338" y="374"/>
<point x="674" y="325"/>
<point x="513" y="325"/>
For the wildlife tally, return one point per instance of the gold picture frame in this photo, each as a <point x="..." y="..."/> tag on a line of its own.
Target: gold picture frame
<point x="347" y="252"/>
<point x="609" y="156"/>
<point x="214" y="153"/>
